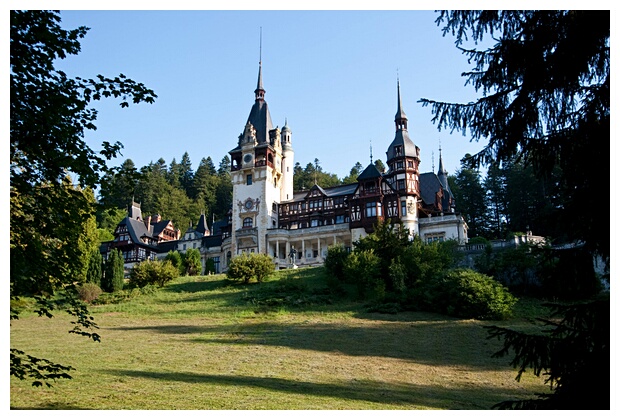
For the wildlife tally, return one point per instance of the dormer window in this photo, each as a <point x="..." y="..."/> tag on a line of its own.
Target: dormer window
<point x="398" y="150"/>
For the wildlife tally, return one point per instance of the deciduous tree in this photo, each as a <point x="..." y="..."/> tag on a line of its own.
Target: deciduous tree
<point x="50" y="112"/>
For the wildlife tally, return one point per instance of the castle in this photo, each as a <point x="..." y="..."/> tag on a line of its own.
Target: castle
<point x="297" y="227"/>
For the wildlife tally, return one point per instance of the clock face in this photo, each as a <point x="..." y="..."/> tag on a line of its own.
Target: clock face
<point x="249" y="204"/>
<point x="247" y="158"/>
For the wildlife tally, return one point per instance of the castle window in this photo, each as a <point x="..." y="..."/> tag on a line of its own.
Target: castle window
<point x="339" y="219"/>
<point x="398" y="150"/>
<point x="371" y="209"/>
<point x="399" y="165"/>
<point x="247" y="223"/>
<point x="401" y="184"/>
<point x="248" y="179"/>
<point x="403" y="208"/>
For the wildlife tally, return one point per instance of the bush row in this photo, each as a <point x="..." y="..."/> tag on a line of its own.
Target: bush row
<point x="398" y="273"/>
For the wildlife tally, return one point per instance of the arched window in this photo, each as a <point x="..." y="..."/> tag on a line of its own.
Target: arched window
<point x="247" y="222"/>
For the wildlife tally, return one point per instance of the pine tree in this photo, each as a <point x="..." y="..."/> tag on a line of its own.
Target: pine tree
<point x="545" y="86"/>
<point x="114" y="275"/>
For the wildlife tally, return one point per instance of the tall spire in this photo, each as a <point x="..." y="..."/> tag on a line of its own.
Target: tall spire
<point x="441" y="170"/>
<point x="401" y="118"/>
<point x="442" y="174"/>
<point x="260" y="92"/>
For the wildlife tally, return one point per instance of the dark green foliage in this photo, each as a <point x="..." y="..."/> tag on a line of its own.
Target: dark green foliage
<point x="466" y="293"/>
<point x="426" y="262"/>
<point x="175" y="259"/>
<point x="514" y="268"/>
<point x="334" y="264"/>
<point x="191" y="265"/>
<point x="245" y="267"/>
<point x="114" y="274"/>
<point x="148" y="272"/>
<point x="95" y="268"/>
<point x="209" y="266"/>
<point x="573" y="354"/>
<point x="50" y="114"/>
<point x="363" y="268"/>
<point x="42" y="371"/>
<point x="356" y="170"/>
<point x="471" y="199"/>
<point x="397" y="275"/>
<point x="312" y="174"/>
<point x="545" y="102"/>
<point x="568" y="274"/>
<point x="89" y="292"/>
<point x="530" y="270"/>
<point x="545" y="85"/>
<point x="388" y="242"/>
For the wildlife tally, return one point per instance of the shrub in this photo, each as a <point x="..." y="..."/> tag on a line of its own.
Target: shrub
<point x="466" y="293"/>
<point x="364" y="269"/>
<point x="397" y="273"/>
<point x="245" y="267"/>
<point x="191" y="262"/>
<point x="175" y="259"/>
<point x="89" y="292"/>
<point x="152" y="273"/>
<point x="334" y="264"/>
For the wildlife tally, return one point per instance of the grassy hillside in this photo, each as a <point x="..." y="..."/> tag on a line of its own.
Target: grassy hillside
<point x="208" y="343"/>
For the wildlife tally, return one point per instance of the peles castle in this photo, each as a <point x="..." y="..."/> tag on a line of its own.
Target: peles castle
<point x="268" y="216"/>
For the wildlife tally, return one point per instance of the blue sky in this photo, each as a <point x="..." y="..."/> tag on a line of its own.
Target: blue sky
<point x="331" y="74"/>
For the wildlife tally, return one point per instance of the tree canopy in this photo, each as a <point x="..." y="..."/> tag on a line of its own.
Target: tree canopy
<point x="545" y="101"/>
<point x="50" y="113"/>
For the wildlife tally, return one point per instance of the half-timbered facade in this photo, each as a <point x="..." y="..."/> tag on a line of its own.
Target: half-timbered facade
<point x="297" y="227"/>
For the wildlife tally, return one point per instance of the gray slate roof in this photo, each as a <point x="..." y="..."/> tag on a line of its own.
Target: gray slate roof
<point x="401" y="139"/>
<point x="371" y="172"/>
<point x="429" y="185"/>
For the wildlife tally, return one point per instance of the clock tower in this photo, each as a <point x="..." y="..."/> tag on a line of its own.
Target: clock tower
<point x="261" y="171"/>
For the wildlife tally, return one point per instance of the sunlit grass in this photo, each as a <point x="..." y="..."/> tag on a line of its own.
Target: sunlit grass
<point x="208" y="343"/>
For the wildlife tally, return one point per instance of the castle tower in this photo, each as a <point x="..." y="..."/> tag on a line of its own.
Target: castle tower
<point x="258" y="184"/>
<point x="403" y="160"/>
<point x="288" y="162"/>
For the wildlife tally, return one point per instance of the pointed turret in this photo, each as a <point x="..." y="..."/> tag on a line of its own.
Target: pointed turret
<point x="260" y="91"/>
<point x="400" y="119"/>
<point x="259" y="117"/>
<point x="202" y="225"/>
<point x="401" y="145"/>
<point x="442" y="174"/>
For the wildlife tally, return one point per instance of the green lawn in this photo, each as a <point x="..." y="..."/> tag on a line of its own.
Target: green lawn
<point x="205" y="343"/>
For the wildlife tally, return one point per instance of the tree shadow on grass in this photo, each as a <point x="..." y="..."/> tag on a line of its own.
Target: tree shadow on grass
<point x="431" y="342"/>
<point x="52" y="406"/>
<point x="395" y="394"/>
<point x="199" y="285"/>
